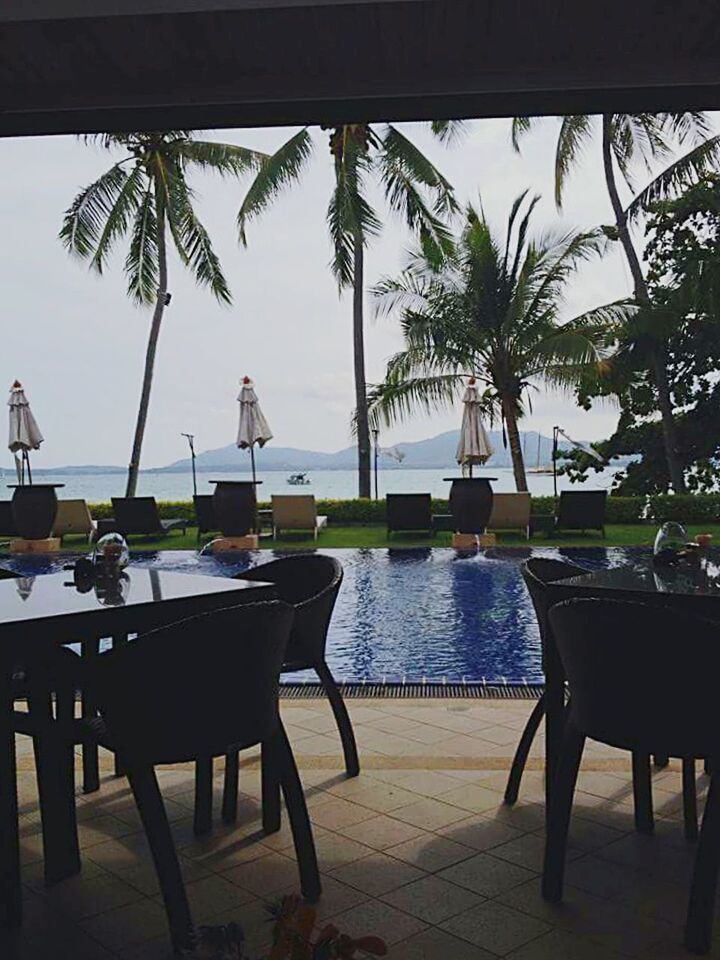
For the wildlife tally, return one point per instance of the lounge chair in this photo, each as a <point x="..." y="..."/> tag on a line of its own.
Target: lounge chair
<point x="7" y="521"/>
<point x="409" y="511"/>
<point x="510" y="511"/>
<point x="296" y="513"/>
<point x="139" y="515"/>
<point x="581" y="510"/>
<point x="73" y="516"/>
<point x="205" y="514"/>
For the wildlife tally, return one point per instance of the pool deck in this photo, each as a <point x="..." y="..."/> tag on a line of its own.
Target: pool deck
<point x="418" y="849"/>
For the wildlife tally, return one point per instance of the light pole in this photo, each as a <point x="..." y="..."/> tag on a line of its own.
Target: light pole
<point x="191" y="441"/>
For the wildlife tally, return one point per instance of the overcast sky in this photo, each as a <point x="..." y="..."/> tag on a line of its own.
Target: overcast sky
<point x="78" y="344"/>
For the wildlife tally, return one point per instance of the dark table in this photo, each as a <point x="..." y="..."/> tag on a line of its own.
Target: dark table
<point x="693" y="588"/>
<point x="47" y="611"/>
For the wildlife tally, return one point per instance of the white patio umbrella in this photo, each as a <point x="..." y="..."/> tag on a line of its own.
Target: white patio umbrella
<point x="474" y="445"/>
<point x="254" y="428"/>
<point x="24" y="432"/>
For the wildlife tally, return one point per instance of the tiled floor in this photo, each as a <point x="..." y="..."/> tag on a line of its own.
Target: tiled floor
<point x="418" y="850"/>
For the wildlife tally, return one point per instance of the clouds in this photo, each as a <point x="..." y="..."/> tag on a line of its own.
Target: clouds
<point x="73" y="337"/>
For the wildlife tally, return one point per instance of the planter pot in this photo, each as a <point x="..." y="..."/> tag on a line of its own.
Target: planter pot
<point x="34" y="508"/>
<point x="470" y="503"/>
<point x="235" y="507"/>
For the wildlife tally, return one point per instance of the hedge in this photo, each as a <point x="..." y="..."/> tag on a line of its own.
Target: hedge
<point x="691" y="508"/>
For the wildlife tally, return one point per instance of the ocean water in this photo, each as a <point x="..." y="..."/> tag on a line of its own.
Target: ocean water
<point x="324" y="484"/>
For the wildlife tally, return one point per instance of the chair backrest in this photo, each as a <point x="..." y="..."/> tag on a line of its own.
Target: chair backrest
<point x="538" y="573"/>
<point x="641" y="677"/>
<point x="510" y="511"/>
<point x="136" y="514"/>
<point x="73" y="516"/>
<point x="294" y="512"/>
<point x="205" y="512"/>
<point x="582" y="509"/>
<point x="310" y="582"/>
<point x="409" y="511"/>
<point x="192" y="688"/>
<point x="7" y="521"/>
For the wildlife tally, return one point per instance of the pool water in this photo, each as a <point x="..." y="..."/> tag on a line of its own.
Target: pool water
<point x="413" y="614"/>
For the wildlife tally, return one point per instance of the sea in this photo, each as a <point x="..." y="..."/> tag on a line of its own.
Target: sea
<point x="324" y="484"/>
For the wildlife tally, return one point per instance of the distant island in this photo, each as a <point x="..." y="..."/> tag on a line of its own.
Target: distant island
<point x="434" y="453"/>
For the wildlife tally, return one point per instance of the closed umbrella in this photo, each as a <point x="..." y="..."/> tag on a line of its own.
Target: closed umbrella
<point x="474" y="445"/>
<point x="254" y="428"/>
<point x="24" y="432"/>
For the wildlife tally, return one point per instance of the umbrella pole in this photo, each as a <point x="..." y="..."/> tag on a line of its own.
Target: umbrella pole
<point x="27" y="458"/>
<point x="252" y="460"/>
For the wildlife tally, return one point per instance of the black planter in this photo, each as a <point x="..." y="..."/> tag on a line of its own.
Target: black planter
<point x="235" y="507"/>
<point x="34" y="508"/>
<point x="470" y="503"/>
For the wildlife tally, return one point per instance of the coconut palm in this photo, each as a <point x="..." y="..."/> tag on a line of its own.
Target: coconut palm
<point x="628" y="140"/>
<point x="145" y="197"/>
<point x="492" y="312"/>
<point x="413" y="188"/>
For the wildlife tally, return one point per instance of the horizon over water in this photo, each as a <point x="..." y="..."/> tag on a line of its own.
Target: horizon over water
<point x="325" y="484"/>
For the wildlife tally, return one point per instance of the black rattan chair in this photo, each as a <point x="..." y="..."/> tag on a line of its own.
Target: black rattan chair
<point x="537" y="573"/>
<point x="196" y="686"/>
<point x="310" y="583"/>
<point x="140" y="515"/>
<point x="582" y="510"/>
<point x="409" y="511"/>
<point x="644" y="679"/>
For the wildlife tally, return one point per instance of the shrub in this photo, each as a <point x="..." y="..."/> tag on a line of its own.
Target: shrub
<point x="685" y="508"/>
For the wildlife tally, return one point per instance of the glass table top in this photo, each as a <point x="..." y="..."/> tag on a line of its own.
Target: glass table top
<point x="698" y="578"/>
<point x="57" y="594"/>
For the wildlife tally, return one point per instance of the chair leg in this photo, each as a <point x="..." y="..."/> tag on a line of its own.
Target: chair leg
<point x="642" y="793"/>
<point x="523" y="750"/>
<point x="91" y="764"/>
<point x="298" y="816"/>
<point x="54" y="763"/>
<point x="270" y="783"/>
<point x="559" y="813"/>
<point x="148" y="798"/>
<point x="660" y="761"/>
<point x="689" y="799"/>
<point x="202" y="822"/>
<point x="342" y="718"/>
<point x="230" y="787"/>
<point x="701" y="908"/>
<point x="119" y="641"/>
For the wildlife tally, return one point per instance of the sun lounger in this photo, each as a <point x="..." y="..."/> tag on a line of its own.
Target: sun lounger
<point x="510" y="511"/>
<point x="409" y="511"/>
<point x="296" y="513"/>
<point x="140" y="515"/>
<point x="73" y="516"/>
<point x="581" y="510"/>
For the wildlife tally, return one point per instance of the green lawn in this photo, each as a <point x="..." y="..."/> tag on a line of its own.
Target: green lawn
<point x="376" y="536"/>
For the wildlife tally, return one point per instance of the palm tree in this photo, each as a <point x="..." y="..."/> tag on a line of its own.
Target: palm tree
<point x="413" y="188"/>
<point x="492" y="312"/>
<point x="145" y="196"/>
<point x="627" y="139"/>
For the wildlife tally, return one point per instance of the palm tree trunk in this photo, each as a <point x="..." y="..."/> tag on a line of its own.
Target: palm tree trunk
<point x="361" y="405"/>
<point x="134" y="466"/>
<point x="516" y="454"/>
<point x="658" y="358"/>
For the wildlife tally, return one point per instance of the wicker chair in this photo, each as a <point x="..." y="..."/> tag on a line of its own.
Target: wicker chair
<point x="310" y="583"/>
<point x="644" y="679"/>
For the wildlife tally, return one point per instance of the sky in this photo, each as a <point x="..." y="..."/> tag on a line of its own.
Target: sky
<point x="78" y="344"/>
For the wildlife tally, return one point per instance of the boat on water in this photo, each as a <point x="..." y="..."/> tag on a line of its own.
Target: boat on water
<point x="298" y="480"/>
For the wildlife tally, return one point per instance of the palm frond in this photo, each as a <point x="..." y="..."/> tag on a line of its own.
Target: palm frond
<point x="141" y="263"/>
<point x="84" y="220"/>
<point x="193" y="241"/>
<point x="350" y="218"/>
<point x="400" y="154"/>
<point x="685" y="171"/>
<point x="448" y="131"/>
<point x="277" y="172"/>
<point x="227" y="159"/>
<point x="396" y="399"/>
<point x="574" y="132"/>
<point x="521" y="126"/>
<point x="119" y="217"/>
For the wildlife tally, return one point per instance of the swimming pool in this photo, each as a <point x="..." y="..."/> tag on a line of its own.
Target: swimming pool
<point x="414" y="614"/>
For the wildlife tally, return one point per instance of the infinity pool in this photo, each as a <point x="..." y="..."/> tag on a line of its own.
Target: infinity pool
<point x="412" y="614"/>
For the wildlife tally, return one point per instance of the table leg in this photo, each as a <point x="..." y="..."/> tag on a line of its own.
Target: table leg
<point x="10" y="891"/>
<point x="90" y="759"/>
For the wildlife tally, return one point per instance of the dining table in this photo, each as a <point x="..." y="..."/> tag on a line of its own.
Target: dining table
<point x="39" y="613"/>
<point x="691" y="585"/>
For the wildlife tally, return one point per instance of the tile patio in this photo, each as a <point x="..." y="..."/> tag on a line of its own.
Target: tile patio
<point x="419" y="849"/>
